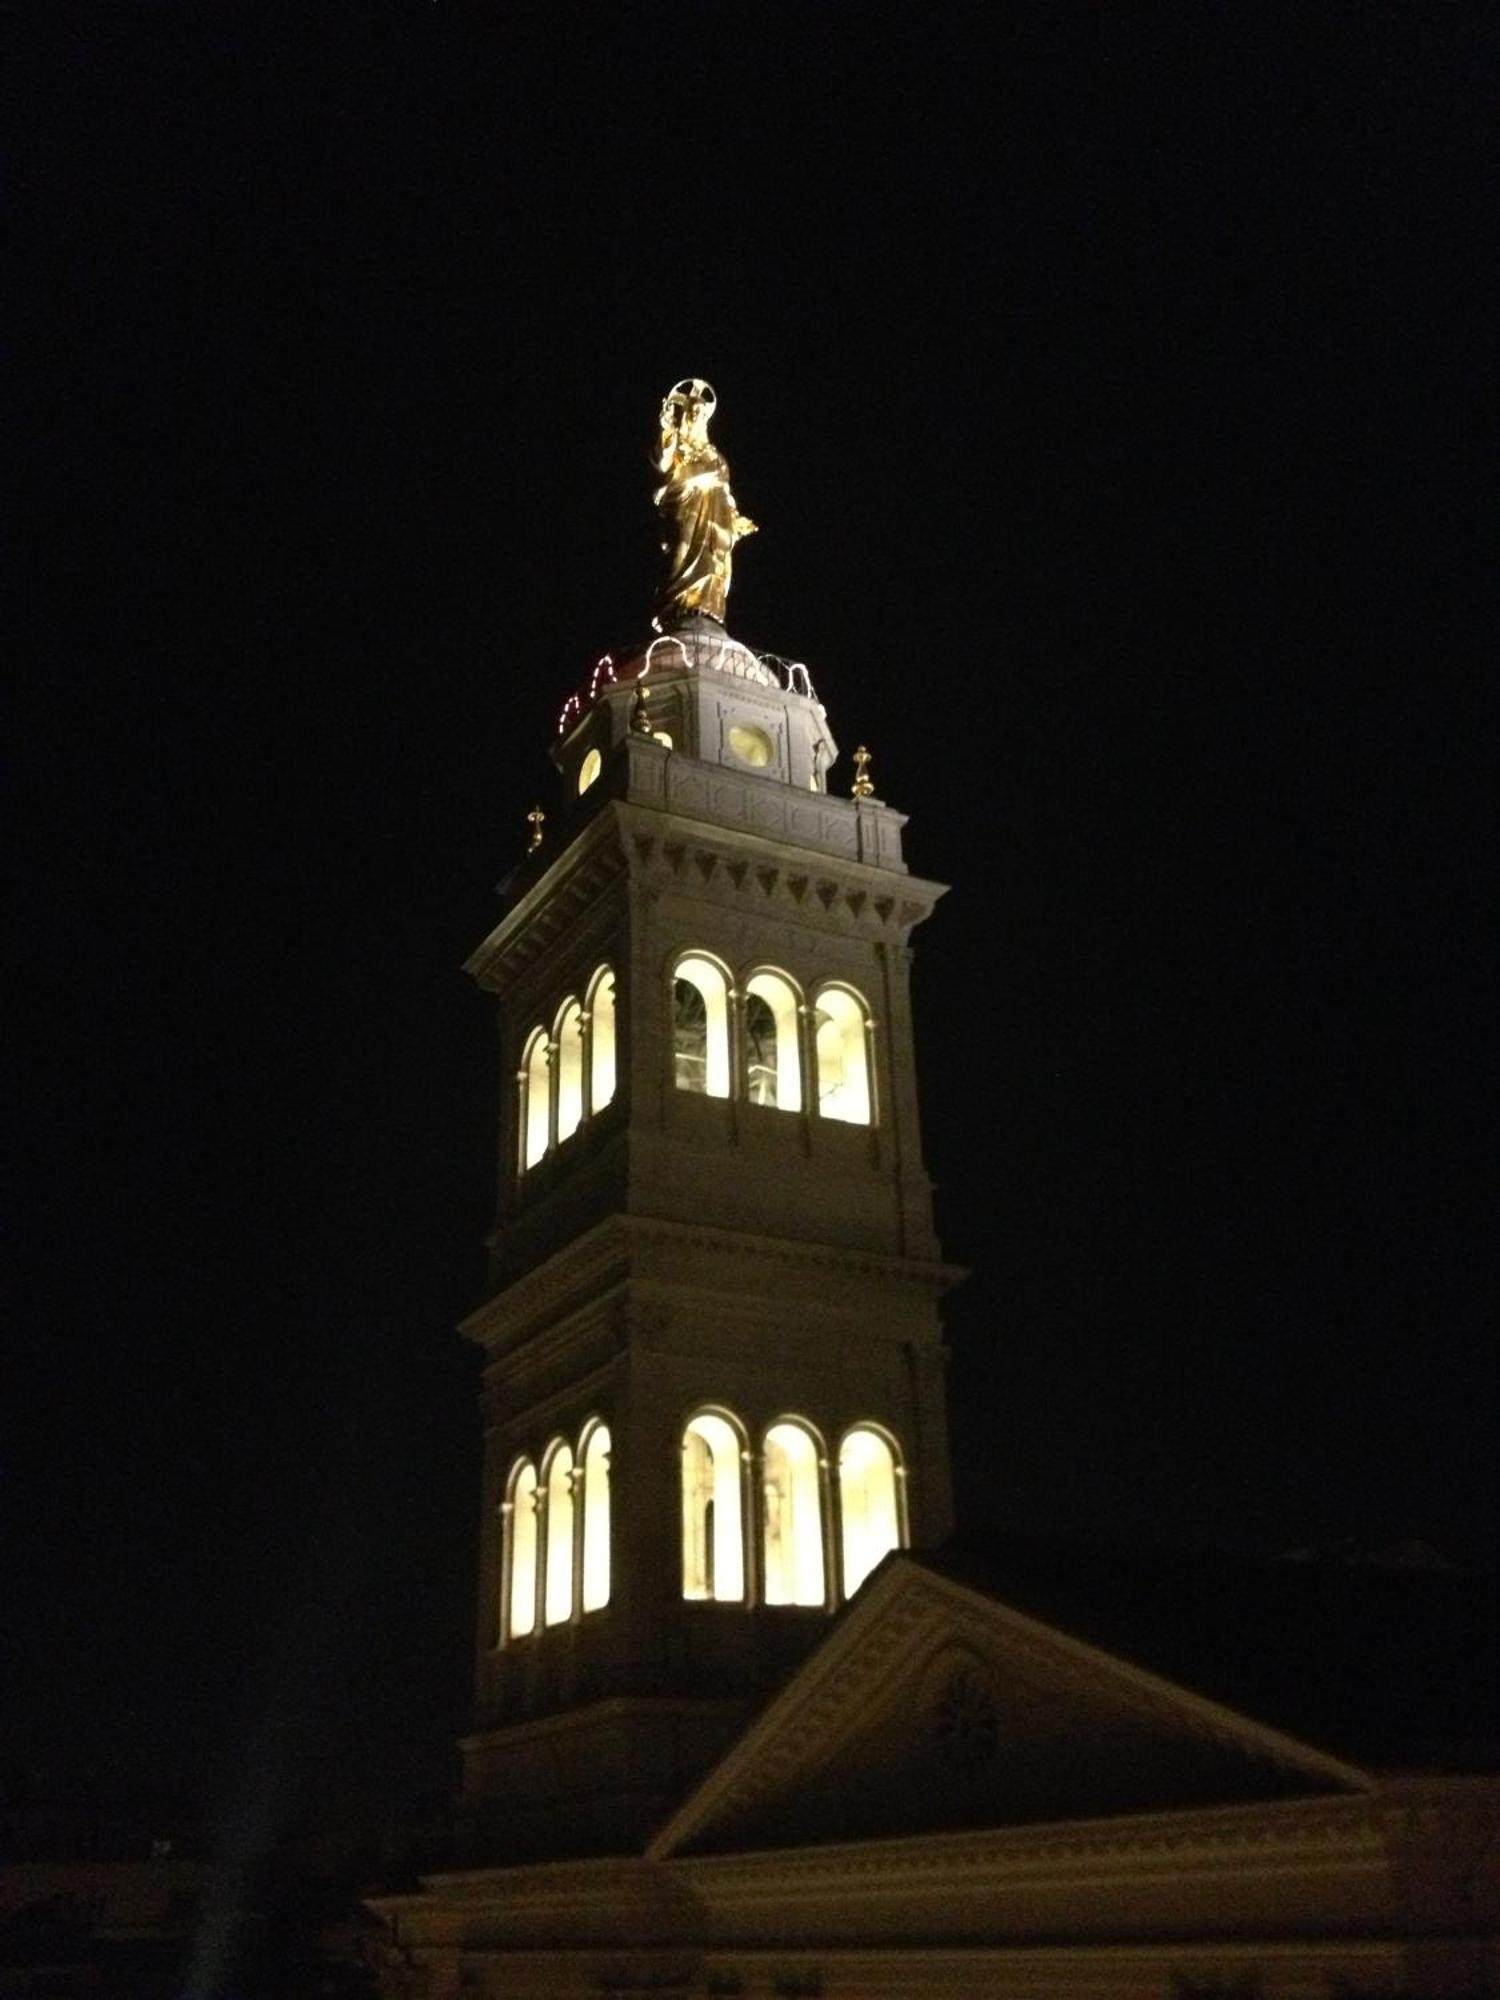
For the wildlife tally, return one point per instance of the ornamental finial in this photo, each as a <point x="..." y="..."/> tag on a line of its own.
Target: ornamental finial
<point x="863" y="789"/>
<point x="536" y="819"/>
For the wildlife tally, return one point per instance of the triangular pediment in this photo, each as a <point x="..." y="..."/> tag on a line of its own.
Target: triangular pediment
<point x="932" y="1706"/>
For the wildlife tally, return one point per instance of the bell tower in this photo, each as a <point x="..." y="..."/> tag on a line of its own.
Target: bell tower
<point x="713" y="1386"/>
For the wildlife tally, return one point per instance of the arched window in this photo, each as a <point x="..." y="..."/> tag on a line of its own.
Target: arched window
<point x="520" y="1517"/>
<point x="602" y="1040"/>
<point x="595" y="1455"/>
<point x="793" y="1520"/>
<point x="569" y="1069"/>
<point x="700" y="1026"/>
<point x="713" y="1543"/>
<point x="773" y="1057"/>
<point x="557" y="1593"/>
<point x="535" y="1109"/>
<point x="842" y="1059"/>
<point x="869" y="1506"/>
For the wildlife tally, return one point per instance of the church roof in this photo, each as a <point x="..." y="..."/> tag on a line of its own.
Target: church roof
<point x="1392" y="1667"/>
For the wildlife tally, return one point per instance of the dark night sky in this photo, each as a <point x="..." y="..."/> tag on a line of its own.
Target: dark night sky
<point x="1109" y="387"/>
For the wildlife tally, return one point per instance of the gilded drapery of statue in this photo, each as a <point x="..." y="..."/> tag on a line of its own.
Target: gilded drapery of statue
<point x="699" y="517"/>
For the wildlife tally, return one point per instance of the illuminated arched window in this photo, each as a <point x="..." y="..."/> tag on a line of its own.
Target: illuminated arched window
<point x="569" y="1069"/>
<point x="557" y="1591"/>
<point x="793" y="1517"/>
<point x="700" y="1026"/>
<point x="869" y="1504"/>
<point x="842" y="1057"/>
<point x="602" y="1040"/>
<point x="520" y="1552"/>
<point x="773" y="1056"/>
<point x="595" y="1455"/>
<point x="713" y="1542"/>
<point x="535" y="1108"/>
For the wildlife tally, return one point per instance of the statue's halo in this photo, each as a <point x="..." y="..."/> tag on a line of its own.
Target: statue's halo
<point x="694" y="388"/>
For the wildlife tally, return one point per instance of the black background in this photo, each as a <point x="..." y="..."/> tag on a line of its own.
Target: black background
<point x="1109" y="387"/>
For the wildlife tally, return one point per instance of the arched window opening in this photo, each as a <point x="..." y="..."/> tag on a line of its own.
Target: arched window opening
<point x="713" y="1544"/>
<point x="793" y="1517"/>
<point x="534" y="1095"/>
<point x="700" y="1027"/>
<point x="569" y="1070"/>
<point x="843" y="1064"/>
<point x="869" y="1509"/>
<point x="521" y="1536"/>
<point x="596" y="1519"/>
<point x="602" y="1040"/>
<point x="773" y="1067"/>
<point x="557" y="1595"/>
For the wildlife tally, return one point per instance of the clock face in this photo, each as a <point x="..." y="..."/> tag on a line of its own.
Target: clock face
<point x="751" y="745"/>
<point x="589" y="769"/>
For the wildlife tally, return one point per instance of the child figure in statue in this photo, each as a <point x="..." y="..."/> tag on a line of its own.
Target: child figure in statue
<point x="697" y="508"/>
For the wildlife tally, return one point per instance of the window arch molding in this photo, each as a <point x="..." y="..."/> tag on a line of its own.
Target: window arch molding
<point x="534" y="1099"/>
<point x="872" y="1500"/>
<point x="843" y="1055"/>
<point x="519" y="1550"/>
<point x="794" y="1512"/>
<point x="774" y="1014"/>
<point x="567" y="1069"/>
<point x="558" y="1553"/>
<point x="701" y="1002"/>
<point x="601" y="1060"/>
<point x="594" y="1516"/>
<point x="569" y="1072"/>
<point x="714" y="1448"/>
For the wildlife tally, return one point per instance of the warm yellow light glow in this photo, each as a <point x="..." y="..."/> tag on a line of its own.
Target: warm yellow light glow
<point x="773" y="1057"/>
<point x="589" y="769"/>
<point x="522" y="1526"/>
<point x="602" y="1047"/>
<point x="869" y="1511"/>
<point x="569" y="1070"/>
<point x="660" y="736"/>
<point x="751" y="745"/>
<point x="793" y="1517"/>
<point x="558" y="1593"/>
<point x="534" y="1073"/>
<point x="843" y="1064"/>
<point x="596" y="1519"/>
<point x="713" y="1544"/>
<point x="700" y="1027"/>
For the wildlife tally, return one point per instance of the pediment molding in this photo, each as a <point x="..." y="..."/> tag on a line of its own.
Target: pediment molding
<point x="1266" y="1834"/>
<point x="904" y="1622"/>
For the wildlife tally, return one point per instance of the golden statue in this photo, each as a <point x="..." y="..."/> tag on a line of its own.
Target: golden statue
<point x="697" y="508"/>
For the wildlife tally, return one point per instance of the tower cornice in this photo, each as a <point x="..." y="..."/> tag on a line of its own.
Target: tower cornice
<point x="622" y="1244"/>
<point x="828" y="884"/>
